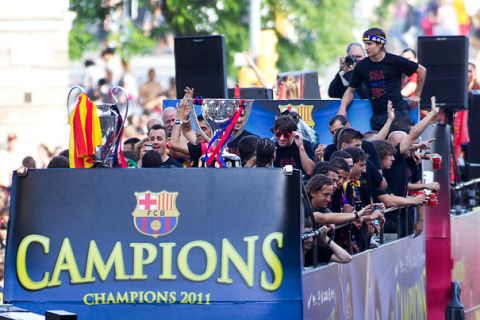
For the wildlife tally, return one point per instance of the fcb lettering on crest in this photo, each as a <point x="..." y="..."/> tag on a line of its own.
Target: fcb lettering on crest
<point x="305" y="112"/>
<point x="156" y="213"/>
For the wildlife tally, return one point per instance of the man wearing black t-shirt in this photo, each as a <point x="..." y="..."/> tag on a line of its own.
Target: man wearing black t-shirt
<point x="158" y="138"/>
<point x="396" y="175"/>
<point x="349" y="137"/>
<point x="382" y="73"/>
<point x="292" y="149"/>
<point x="327" y="249"/>
<point x="394" y="195"/>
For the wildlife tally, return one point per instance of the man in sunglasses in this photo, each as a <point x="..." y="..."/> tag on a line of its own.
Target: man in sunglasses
<point x="292" y="149"/>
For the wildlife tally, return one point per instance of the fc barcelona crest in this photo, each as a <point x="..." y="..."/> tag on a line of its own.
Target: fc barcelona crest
<point x="156" y="214"/>
<point x="305" y="112"/>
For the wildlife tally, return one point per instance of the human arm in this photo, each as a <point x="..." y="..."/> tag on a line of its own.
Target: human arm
<point x="184" y="116"/>
<point x="382" y="134"/>
<point x="178" y="144"/>
<point x="335" y="218"/>
<point x="338" y="253"/>
<point x="336" y="87"/>
<point x="260" y="76"/>
<point x="346" y="100"/>
<point x="306" y="162"/>
<point x="390" y="200"/>
<point x="433" y="186"/>
<point x="422" y="73"/>
<point x="341" y="217"/>
<point x="417" y="130"/>
<point x="414" y="100"/>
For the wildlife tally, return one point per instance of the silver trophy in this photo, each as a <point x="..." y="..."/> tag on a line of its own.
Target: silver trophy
<point x="109" y="115"/>
<point x="219" y="114"/>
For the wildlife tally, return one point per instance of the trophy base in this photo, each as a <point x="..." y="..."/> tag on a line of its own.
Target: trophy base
<point x="231" y="161"/>
<point x="101" y="164"/>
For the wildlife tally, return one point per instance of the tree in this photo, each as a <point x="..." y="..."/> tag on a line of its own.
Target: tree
<point x="228" y="17"/>
<point x="322" y="29"/>
<point x="311" y="33"/>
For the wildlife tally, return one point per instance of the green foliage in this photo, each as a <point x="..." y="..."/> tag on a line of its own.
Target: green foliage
<point x="228" y="17"/>
<point x="83" y="36"/>
<point x="79" y="41"/>
<point x="381" y="12"/>
<point x="322" y="28"/>
<point x="88" y="14"/>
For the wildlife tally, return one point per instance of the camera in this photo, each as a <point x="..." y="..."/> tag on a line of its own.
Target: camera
<point x="350" y="60"/>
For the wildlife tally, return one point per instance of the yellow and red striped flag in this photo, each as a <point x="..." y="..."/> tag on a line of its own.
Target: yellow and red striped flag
<point x="85" y="133"/>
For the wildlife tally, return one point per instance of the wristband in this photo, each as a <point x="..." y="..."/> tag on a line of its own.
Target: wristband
<point x="356" y="215"/>
<point x="329" y="240"/>
<point x="178" y="121"/>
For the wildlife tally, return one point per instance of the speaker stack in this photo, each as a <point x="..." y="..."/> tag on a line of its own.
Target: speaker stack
<point x="200" y="63"/>
<point x="474" y="134"/>
<point x="446" y="60"/>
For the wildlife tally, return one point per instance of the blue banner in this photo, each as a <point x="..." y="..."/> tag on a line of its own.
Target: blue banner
<point x="384" y="283"/>
<point x="316" y="113"/>
<point x="136" y="244"/>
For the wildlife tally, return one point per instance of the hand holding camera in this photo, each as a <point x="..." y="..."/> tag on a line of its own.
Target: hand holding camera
<point x="347" y="63"/>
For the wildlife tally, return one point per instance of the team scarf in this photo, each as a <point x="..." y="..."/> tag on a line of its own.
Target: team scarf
<point x="85" y="133"/>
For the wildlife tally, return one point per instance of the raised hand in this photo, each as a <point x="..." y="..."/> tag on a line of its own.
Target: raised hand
<point x="298" y="138"/>
<point x="319" y="152"/>
<point x="184" y="108"/>
<point x="390" y="111"/>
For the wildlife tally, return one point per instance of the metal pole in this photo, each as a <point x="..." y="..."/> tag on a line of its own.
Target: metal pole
<point x="399" y="227"/>
<point x="254" y="27"/>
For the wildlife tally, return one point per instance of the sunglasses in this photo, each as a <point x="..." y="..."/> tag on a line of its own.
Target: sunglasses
<point x="285" y="135"/>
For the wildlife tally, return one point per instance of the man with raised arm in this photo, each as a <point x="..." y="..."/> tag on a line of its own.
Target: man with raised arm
<point x="382" y="73"/>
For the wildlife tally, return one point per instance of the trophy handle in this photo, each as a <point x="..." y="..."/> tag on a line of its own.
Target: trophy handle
<point x="71" y="97"/>
<point x="193" y="118"/>
<point x="117" y="102"/>
<point x="247" y="109"/>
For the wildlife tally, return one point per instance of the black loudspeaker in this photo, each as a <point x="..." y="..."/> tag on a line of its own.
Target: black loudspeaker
<point x="252" y="93"/>
<point x="200" y="63"/>
<point x="474" y="134"/>
<point x="446" y="60"/>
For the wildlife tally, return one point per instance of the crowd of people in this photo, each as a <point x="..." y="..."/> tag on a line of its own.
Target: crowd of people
<point x="355" y="187"/>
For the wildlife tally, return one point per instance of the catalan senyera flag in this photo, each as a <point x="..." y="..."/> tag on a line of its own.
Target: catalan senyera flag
<point x="85" y="133"/>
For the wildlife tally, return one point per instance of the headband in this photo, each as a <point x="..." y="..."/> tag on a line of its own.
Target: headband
<point x="378" y="39"/>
